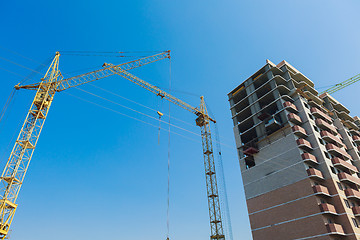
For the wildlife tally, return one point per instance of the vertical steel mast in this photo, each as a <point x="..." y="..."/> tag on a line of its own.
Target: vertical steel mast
<point x="203" y="121"/>
<point x="18" y="162"/>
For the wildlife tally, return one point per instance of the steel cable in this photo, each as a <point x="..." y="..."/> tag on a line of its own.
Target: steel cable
<point x="7" y="103"/>
<point x="5" y="59"/>
<point x="223" y="191"/>
<point x="168" y="169"/>
<point x="134" y="118"/>
<point x="131" y="109"/>
<point x="139" y="104"/>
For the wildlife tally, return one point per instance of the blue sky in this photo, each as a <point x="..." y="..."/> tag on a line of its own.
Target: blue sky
<point x="98" y="173"/>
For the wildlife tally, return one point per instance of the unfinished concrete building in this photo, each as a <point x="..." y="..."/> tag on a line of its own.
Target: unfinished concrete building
<point x="299" y="157"/>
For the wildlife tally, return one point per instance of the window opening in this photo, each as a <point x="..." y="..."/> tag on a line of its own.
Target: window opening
<point x="355" y="222"/>
<point x="347" y="203"/>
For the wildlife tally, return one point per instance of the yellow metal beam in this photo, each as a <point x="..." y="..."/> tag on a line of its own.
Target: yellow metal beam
<point x="21" y="154"/>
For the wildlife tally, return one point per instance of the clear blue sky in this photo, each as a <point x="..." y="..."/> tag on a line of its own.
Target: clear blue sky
<point x="98" y="174"/>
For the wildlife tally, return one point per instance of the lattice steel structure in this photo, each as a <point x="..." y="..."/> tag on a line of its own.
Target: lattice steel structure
<point x="18" y="162"/>
<point x="203" y="121"/>
<point x="53" y="82"/>
<point x="342" y="85"/>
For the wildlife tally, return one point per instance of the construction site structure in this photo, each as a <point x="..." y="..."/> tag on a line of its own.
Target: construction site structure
<point x="14" y="172"/>
<point x="299" y="156"/>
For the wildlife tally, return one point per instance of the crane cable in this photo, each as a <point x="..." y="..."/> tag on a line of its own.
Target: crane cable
<point x="33" y="72"/>
<point x="181" y="128"/>
<point x="134" y="118"/>
<point x="223" y="184"/>
<point x="160" y="107"/>
<point x="16" y="53"/>
<point x="168" y="169"/>
<point x="26" y="78"/>
<point x="100" y="55"/>
<point x="107" y="53"/>
<point x="159" y="51"/>
<point x="139" y="104"/>
<point x="7" y="104"/>
<point x="43" y="64"/>
<point x="20" y="65"/>
<point x="131" y="109"/>
<point x="224" y="200"/>
<point x="14" y="73"/>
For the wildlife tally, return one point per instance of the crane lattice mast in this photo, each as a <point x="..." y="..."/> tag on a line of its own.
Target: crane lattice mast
<point x="18" y="162"/>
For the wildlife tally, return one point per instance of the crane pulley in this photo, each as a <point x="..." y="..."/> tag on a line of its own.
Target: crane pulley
<point x="14" y="172"/>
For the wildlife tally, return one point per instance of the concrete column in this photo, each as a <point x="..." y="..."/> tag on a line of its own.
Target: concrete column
<point x="287" y="77"/>
<point x="233" y="111"/>
<point x="237" y="137"/>
<point x="276" y="94"/>
<point x="255" y="108"/>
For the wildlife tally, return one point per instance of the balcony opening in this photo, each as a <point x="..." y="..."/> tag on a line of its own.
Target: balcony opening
<point x="249" y="162"/>
<point x="250" y="148"/>
<point x="250" y="151"/>
<point x="272" y="109"/>
<point x="264" y="89"/>
<point x="245" y="113"/>
<point x="259" y="79"/>
<point x="241" y="105"/>
<point x="266" y="99"/>
<point x="263" y="116"/>
<point x="273" y="124"/>
<point x="245" y="125"/>
<point x="239" y="94"/>
<point x="249" y="136"/>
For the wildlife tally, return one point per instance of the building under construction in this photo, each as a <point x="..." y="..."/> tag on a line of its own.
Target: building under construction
<point x="299" y="157"/>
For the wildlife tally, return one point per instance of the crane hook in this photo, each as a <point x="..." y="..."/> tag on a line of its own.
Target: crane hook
<point x="160" y="115"/>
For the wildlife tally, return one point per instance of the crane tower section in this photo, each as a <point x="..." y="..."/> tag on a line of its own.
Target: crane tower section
<point x="217" y="231"/>
<point x="18" y="162"/>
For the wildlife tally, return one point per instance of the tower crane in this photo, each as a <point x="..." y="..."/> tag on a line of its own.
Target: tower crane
<point x="342" y="85"/>
<point x="14" y="172"/>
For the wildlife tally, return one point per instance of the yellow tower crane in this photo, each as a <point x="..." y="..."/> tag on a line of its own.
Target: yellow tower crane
<point x="342" y="85"/>
<point x="18" y="162"/>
